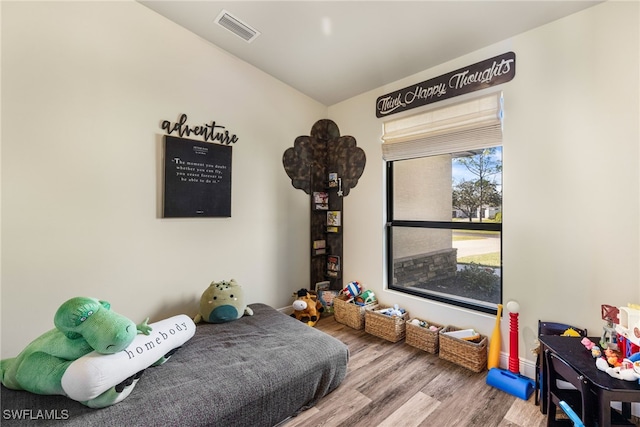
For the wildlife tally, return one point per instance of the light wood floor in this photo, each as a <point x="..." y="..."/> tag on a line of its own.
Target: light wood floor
<point x="394" y="384"/>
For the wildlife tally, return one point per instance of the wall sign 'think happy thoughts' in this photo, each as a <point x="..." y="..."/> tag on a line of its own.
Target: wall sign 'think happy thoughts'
<point x="490" y="72"/>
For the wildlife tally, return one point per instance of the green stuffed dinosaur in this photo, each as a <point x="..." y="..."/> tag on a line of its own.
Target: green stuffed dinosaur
<point x="82" y="325"/>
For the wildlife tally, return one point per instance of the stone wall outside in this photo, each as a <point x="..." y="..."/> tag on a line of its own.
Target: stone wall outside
<point x="413" y="270"/>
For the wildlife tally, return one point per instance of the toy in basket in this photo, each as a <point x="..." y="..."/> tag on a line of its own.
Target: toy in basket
<point x="388" y="323"/>
<point x="423" y="335"/>
<point x="464" y="347"/>
<point x="349" y="306"/>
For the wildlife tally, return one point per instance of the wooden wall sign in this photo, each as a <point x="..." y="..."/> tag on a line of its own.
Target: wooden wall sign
<point x="209" y="131"/>
<point x="491" y="72"/>
<point x="197" y="179"/>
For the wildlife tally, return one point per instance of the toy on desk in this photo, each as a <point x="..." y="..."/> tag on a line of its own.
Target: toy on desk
<point x="613" y="364"/>
<point x="613" y="357"/>
<point x="609" y="313"/>
<point x="620" y="342"/>
<point x="592" y="347"/>
<point x="628" y="326"/>
<point x="627" y="370"/>
<point x="587" y="343"/>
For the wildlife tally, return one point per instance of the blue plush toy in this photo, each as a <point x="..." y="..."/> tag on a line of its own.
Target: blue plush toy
<point x="395" y="311"/>
<point x="222" y="302"/>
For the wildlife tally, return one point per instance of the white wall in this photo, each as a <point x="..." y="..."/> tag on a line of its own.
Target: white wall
<point x="85" y="87"/>
<point x="571" y="176"/>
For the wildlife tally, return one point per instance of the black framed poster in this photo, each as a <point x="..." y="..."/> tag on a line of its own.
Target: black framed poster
<point x="197" y="179"/>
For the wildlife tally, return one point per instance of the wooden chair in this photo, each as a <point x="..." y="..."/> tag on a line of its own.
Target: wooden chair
<point x="581" y="400"/>
<point x="550" y="328"/>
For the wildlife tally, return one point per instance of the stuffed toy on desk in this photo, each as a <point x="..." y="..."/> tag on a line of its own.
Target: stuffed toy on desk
<point x="94" y="355"/>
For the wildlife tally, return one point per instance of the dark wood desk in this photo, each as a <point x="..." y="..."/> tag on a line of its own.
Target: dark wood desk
<point x="607" y="388"/>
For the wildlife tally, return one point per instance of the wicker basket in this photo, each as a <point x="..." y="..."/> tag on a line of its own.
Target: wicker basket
<point x="423" y="338"/>
<point x="348" y="313"/>
<point x="468" y="354"/>
<point x="383" y="326"/>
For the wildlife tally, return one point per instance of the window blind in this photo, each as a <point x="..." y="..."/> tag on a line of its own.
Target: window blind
<point x="468" y="125"/>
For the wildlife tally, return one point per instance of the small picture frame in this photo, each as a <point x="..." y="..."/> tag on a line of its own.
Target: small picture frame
<point x="322" y="286"/>
<point x="326" y="299"/>
<point x="334" y="218"/>
<point x="333" y="265"/>
<point x="325" y="296"/>
<point x="319" y="247"/>
<point x="320" y="200"/>
<point x="333" y="180"/>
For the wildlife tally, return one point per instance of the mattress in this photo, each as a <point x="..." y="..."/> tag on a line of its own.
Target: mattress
<point x="254" y="371"/>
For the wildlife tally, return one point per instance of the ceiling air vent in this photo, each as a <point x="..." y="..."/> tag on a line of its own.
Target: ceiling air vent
<point x="236" y="26"/>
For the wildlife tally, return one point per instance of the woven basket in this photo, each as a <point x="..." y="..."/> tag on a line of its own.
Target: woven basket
<point x="423" y="338"/>
<point x="383" y="326"/>
<point x="468" y="354"/>
<point x="348" y="313"/>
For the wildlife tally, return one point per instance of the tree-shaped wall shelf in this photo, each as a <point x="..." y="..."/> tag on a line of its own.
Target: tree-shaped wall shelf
<point x="326" y="166"/>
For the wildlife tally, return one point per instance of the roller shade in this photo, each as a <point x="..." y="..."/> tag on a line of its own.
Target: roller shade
<point x="469" y="125"/>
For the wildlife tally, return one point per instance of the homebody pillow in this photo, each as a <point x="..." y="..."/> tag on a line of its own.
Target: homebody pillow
<point x="94" y="373"/>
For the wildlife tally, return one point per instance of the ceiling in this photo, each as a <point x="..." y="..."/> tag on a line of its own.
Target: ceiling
<point x="334" y="50"/>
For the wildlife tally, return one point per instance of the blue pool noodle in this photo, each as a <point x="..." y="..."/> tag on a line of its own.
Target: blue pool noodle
<point x="511" y="383"/>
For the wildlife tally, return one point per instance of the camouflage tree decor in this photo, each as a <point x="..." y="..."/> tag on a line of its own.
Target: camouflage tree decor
<point x="312" y="158"/>
<point x="308" y="163"/>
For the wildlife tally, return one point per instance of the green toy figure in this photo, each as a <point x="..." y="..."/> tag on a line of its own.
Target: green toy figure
<point x="83" y="325"/>
<point x="222" y="302"/>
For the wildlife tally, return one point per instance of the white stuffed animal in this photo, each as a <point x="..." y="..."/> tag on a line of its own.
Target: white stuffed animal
<point x="628" y="371"/>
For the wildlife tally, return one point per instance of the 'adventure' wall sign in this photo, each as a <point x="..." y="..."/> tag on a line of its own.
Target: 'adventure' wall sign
<point x="197" y="175"/>
<point x="490" y="72"/>
<point x="210" y="132"/>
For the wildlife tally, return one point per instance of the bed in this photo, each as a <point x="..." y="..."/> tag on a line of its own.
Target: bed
<point x="255" y="371"/>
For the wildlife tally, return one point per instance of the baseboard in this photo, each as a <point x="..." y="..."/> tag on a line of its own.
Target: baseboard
<point x="286" y="310"/>
<point x="527" y="367"/>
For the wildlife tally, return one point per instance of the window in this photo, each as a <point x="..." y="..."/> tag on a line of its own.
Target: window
<point x="444" y="208"/>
